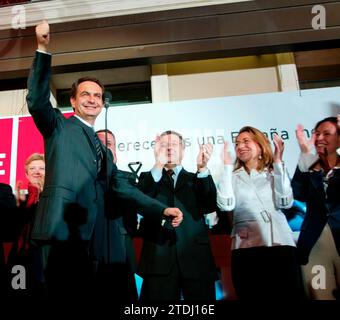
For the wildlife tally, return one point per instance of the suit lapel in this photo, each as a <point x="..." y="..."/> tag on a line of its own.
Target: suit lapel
<point x="316" y="179"/>
<point x="88" y="133"/>
<point x="181" y="179"/>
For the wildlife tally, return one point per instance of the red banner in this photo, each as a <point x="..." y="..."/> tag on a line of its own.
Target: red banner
<point x="6" y="127"/>
<point x="29" y="141"/>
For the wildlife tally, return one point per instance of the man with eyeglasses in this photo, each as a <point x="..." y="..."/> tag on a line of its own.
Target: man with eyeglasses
<point x="178" y="262"/>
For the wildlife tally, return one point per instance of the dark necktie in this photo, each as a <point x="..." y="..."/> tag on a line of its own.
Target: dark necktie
<point x="170" y="173"/>
<point x="171" y="202"/>
<point x="98" y="152"/>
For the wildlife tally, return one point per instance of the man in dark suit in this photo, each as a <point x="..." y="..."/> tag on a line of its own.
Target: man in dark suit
<point x="116" y="268"/>
<point x="8" y="231"/>
<point x="8" y="213"/>
<point x="178" y="261"/>
<point x="73" y="195"/>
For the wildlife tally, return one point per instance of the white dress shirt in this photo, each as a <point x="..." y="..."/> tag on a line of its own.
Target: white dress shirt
<point x="157" y="173"/>
<point x="255" y="200"/>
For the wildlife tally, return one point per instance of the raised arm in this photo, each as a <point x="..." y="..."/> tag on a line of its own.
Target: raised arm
<point x="306" y="158"/>
<point x="205" y="186"/>
<point x="282" y="188"/>
<point x="225" y="192"/>
<point x="38" y="97"/>
<point x="204" y="155"/>
<point x="149" y="181"/>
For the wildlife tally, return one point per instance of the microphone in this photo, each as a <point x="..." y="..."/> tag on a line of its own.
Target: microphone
<point x="107" y="99"/>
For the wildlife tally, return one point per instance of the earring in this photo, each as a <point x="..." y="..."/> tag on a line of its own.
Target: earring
<point x="260" y="157"/>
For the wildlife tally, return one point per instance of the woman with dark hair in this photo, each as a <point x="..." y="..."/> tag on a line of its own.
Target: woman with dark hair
<point x="264" y="260"/>
<point x="317" y="182"/>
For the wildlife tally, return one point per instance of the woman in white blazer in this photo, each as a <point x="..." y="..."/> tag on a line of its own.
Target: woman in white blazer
<point x="264" y="260"/>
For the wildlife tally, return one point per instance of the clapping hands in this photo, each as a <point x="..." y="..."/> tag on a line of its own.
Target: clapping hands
<point x="306" y="145"/>
<point x="204" y="154"/>
<point x="278" y="148"/>
<point x="160" y="153"/>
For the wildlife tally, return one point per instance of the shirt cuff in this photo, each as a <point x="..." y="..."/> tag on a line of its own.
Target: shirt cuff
<point x="203" y="174"/>
<point x="306" y="160"/>
<point x="228" y="169"/>
<point x="43" y="52"/>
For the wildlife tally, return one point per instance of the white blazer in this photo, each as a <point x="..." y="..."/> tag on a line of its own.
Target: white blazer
<point x="255" y="200"/>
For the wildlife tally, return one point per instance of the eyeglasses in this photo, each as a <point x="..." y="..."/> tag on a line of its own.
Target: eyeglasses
<point x="171" y="144"/>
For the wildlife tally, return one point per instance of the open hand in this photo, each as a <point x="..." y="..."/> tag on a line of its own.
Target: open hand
<point x="278" y="148"/>
<point x="306" y="145"/>
<point x="160" y="153"/>
<point x="204" y="155"/>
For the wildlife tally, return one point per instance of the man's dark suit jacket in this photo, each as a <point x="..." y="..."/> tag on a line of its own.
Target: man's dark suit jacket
<point x="8" y="229"/>
<point x="190" y="241"/>
<point x="113" y="248"/>
<point x="122" y="220"/>
<point x="322" y="208"/>
<point x="8" y="214"/>
<point x="72" y="192"/>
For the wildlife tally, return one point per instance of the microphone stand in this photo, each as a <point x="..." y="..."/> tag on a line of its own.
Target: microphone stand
<point x="133" y="171"/>
<point x="107" y="181"/>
